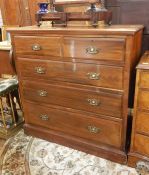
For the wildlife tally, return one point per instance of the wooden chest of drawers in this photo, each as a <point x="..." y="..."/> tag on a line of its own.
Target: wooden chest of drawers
<point x="74" y="85"/>
<point x="140" y="133"/>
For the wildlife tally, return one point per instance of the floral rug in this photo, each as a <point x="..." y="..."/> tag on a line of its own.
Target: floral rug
<point x="25" y="155"/>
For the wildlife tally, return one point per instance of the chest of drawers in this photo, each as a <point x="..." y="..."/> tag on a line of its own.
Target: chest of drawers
<point x="140" y="133"/>
<point x="74" y="85"/>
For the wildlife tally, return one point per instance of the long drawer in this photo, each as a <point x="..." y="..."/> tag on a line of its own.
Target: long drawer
<point x="33" y="45"/>
<point x="109" y="49"/>
<point x="90" y="74"/>
<point x="85" y="99"/>
<point x="87" y="127"/>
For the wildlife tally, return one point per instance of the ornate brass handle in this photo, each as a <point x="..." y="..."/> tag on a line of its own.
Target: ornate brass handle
<point x="93" y="129"/>
<point x="42" y="93"/>
<point x="93" y="102"/>
<point x="36" y="47"/>
<point x="40" y="70"/>
<point x="93" y="75"/>
<point x="92" y="50"/>
<point x="44" y="117"/>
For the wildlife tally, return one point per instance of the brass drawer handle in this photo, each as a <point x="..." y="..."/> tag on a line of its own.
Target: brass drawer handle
<point x="44" y="117"/>
<point x="36" y="47"/>
<point x="93" y="129"/>
<point x="42" y="93"/>
<point x="40" y="70"/>
<point x="93" y="102"/>
<point x="93" y="75"/>
<point x="92" y="50"/>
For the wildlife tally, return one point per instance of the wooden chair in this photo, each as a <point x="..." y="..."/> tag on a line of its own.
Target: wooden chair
<point x="9" y="96"/>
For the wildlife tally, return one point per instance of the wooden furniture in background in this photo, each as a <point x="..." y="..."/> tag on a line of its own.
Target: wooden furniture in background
<point x="19" y="12"/>
<point x="140" y="133"/>
<point x="15" y="13"/>
<point x="5" y="62"/>
<point x="10" y="120"/>
<point x="74" y="84"/>
<point x="131" y="12"/>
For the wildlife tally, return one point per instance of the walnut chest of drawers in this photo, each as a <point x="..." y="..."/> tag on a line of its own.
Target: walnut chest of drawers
<point x="140" y="132"/>
<point x="74" y="84"/>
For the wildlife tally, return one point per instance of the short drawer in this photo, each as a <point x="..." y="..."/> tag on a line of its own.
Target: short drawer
<point x="87" y="127"/>
<point x="144" y="79"/>
<point x="38" y="45"/>
<point x="90" y="100"/>
<point x="142" y="122"/>
<point x="141" y="144"/>
<point x="90" y="74"/>
<point x="143" y="99"/>
<point x="95" y="48"/>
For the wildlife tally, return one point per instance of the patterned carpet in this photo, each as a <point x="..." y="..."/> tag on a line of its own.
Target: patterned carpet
<point x="25" y="155"/>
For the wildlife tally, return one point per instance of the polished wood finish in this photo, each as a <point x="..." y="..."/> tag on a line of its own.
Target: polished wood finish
<point x="32" y="45"/>
<point x="106" y="48"/>
<point x="5" y="63"/>
<point x="143" y="99"/>
<point x="78" y="98"/>
<point x="15" y="13"/>
<point x="62" y="18"/>
<point x="139" y="145"/>
<point x="142" y="127"/>
<point x="81" y="73"/>
<point x="78" y="85"/>
<point x="75" y="124"/>
<point x="140" y="133"/>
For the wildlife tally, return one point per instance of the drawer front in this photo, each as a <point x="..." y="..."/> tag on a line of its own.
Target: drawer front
<point x="141" y="144"/>
<point x="33" y="45"/>
<point x="81" y="99"/>
<point x="144" y="79"/>
<point x="95" y="48"/>
<point x="142" y="122"/>
<point x="90" y="74"/>
<point x="143" y="99"/>
<point x="86" y="127"/>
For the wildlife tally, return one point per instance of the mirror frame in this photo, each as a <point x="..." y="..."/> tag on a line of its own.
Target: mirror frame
<point x="65" y="2"/>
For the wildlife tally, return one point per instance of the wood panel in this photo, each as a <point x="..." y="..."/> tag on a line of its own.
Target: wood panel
<point x="75" y="124"/>
<point x="5" y="65"/>
<point x="81" y="73"/>
<point x="94" y="101"/>
<point x="33" y="45"/>
<point x="15" y="13"/>
<point x="140" y="131"/>
<point x="109" y="49"/>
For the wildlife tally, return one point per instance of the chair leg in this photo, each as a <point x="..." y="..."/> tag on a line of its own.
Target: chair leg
<point x="16" y="94"/>
<point x="2" y="113"/>
<point x="14" y="111"/>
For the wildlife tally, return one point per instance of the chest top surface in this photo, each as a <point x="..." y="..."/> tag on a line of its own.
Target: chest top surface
<point x="144" y="61"/>
<point x="83" y="30"/>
